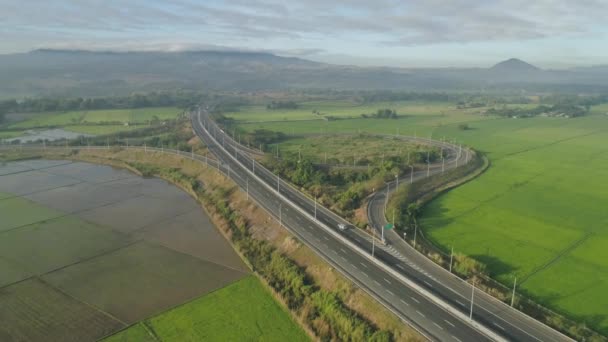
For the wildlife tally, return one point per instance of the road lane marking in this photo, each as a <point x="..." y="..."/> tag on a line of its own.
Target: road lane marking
<point x="450" y="323"/>
<point x="343" y="258"/>
<point x="438" y="326"/>
<point x="377" y="283"/>
<point x="498" y="325"/>
<point x="459" y="302"/>
<point x="415" y="300"/>
<point x="389" y="291"/>
<point x="325" y="237"/>
<point x="343" y="251"/>
<point x="386" y="280"/>
<point x="429" y="284"/>
<point x="456" y="338"/>
<point x="365" y="274"/>
<point x="401" y="267"/>
<point x="362" y="264"/>
<point x="420" y="313"/>
<point x="404" y="302"/>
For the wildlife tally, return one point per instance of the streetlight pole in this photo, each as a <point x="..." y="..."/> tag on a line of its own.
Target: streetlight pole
<point x="373" y="240"/>
<point x="278" y="184"/>
<point x="513" y="295"/>
<point x="451" y="258"/>
<point x="472" y="301"/>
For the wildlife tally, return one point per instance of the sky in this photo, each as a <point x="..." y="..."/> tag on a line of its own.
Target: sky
<point x="402" y="33"/>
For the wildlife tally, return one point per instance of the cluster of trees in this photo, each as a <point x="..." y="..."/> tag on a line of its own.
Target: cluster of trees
<point x="154" y="99"/>
<point x="282" y="105"/>
<point x="342" y="189"/>
<point x="562" y="110"/>
<point x="384" y="113"/>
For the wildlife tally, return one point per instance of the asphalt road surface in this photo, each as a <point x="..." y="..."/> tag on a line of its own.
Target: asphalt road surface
<point x="429" y="298"/>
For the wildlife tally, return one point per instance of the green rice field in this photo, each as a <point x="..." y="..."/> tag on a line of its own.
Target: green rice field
<point x="138" y="115"/>
<point x="537" y="214"/>
<point x="244" y="310"/>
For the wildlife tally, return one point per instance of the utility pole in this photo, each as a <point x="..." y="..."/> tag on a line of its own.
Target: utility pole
<point x="472" y="300"/>
<point x="397" y="180"/>
<point x="412" y="174"/>
<point x="513" y="295"/>
<point x="278" y="184"/>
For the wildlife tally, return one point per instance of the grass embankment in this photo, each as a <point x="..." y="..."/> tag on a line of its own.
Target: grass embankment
<point x="328" y="305"/>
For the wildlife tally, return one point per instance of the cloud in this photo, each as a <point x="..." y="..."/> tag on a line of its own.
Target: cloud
<point x="313" y="23"/>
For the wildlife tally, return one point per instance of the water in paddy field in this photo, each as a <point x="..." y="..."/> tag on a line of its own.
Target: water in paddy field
<point x="49" y="134"/>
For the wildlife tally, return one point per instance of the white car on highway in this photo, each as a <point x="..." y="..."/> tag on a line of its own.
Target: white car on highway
<point x="341" y="226"/>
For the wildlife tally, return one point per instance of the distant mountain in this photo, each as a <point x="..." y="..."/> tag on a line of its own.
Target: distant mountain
<point x="514" y="65"/>
<point x="85" y="73"/>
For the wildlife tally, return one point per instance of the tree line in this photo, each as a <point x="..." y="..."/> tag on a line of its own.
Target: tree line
<point x="153" y="99"/>
<point x="562" y="110"/>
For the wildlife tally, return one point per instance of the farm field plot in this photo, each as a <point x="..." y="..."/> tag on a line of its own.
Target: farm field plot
<point x="141" y="280"/>
<point x="74" y="118"/>
<point x="33" y="311"/>
<point x="50" y="244"/>
<point x="423" y="125"/>
<point x="64" y="278"/>
<point x="537" y="214"/>
<point x="222" y="316"/>
<point x="340" y="109"/>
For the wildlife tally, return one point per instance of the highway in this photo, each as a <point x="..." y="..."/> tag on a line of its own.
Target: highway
<point x="426" y="296"/>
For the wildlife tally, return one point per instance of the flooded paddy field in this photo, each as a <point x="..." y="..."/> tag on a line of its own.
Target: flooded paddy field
<point x="86" y="250"/>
